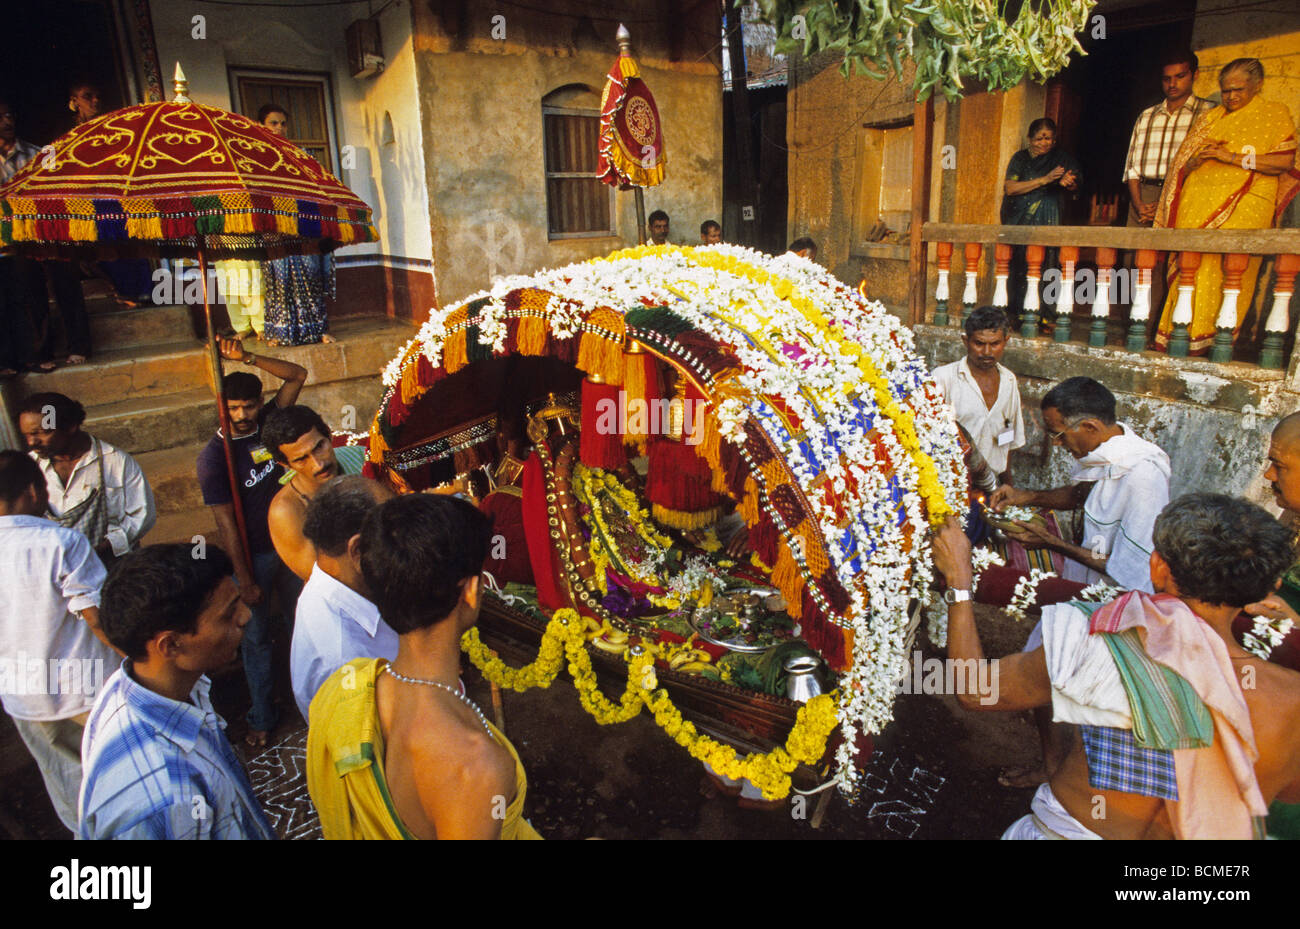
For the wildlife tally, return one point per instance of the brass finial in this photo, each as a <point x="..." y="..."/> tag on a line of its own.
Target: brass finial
<point x="624" y="40"/>
<point x="181" y="86"/>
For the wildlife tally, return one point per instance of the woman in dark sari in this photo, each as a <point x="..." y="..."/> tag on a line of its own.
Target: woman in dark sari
<point x="1038" y="178"/>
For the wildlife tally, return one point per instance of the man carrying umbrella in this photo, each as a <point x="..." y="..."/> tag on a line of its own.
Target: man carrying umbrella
<point x="255" y="470"/>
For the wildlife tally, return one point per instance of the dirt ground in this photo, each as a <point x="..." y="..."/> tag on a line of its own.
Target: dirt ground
<point x="933" y="774"/>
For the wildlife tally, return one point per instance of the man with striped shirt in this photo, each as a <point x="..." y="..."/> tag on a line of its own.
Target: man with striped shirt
<point x="1158" y="133"/>
<point x="156" y="763"/>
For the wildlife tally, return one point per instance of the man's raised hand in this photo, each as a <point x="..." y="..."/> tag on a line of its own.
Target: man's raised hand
<point x="952" y="554"/>
<point x="231" y="349"/>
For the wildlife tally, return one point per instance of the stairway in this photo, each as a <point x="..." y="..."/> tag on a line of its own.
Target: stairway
<point x="147" y="390"/>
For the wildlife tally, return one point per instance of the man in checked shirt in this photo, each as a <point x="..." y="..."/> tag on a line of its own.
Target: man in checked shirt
<point x="1158" y="132"/>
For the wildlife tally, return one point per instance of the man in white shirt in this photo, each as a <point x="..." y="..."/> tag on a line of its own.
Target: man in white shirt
<point x="336" y="621"/>
<point x="983" y="394"/>
<point x="53" y="661"/>
<point x="1121" y="482"/>
<point x="92" y="486"/>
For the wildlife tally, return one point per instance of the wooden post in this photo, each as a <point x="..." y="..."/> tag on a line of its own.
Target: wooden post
<point x="1065" y="299"/>
<point x="922" y="134"/>
<point x="943" y="257"/>
<point x="1001" y="271"/>
<point x="1029" y="322"/>
<point x="1140" y="311"/>
<point x="1270" y="355"/>
<point x="1101" y="302"/>
<point x="741" y="122"/>
<point x="1225" y="326"/>
<point x="1179" y="340"/>
<point x="969" y="296"/>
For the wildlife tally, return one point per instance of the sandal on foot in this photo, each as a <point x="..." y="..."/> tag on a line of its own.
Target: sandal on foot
<point x="75" y="360"/>
<point x="256" y="738"/>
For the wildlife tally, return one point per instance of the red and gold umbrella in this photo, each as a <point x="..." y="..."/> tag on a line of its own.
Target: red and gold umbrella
<point x="175" y="179"/>
<point x="179" y="179"/>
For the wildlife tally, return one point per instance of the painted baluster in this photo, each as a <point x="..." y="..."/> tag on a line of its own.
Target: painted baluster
<point x="1029" y="323"/>
<point x="1179" y="340"/>
<point x="1065" y="299"/>
<point x="1101" y="302"/>
<point x="1002" y="270"/>
<point x="1140" y="312"/>
<point x="943" y="252"/>
<point x="1226" y="324"/>
<point x="1279" y="321"/>
<point x="973" y="252"/>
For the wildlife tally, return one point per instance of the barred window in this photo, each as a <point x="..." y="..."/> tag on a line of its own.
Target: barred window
<point x="577" y="203"/>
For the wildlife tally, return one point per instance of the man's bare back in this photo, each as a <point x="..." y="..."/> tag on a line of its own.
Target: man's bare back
<point x="1272" y="695"/>
<point x="447" y="776"/>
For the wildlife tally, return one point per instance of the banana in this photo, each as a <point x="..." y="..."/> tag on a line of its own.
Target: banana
<point x="607" y="646"/>
<point x="692" y="666"/>
<point x="679" y="659"/>
<point x="701" y="655"/>
<point x="592" y="625"/>
<point x="616" y="636"/>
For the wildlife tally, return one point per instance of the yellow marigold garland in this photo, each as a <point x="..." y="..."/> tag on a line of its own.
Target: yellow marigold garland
<point x="564" y="637"/>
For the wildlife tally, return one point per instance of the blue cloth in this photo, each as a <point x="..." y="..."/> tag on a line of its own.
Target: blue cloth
<point x="1117" y="762"/>
<point x="294" y="291"/>
<point x="156" y="768"/>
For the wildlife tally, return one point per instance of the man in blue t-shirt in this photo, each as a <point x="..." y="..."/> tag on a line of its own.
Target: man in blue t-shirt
<point x="258" y="478"/>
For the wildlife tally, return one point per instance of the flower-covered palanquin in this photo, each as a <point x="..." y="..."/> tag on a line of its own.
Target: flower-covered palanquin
<point x="665" y="391"/>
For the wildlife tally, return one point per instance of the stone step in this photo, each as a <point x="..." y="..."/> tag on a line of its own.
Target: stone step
<point x="149" y="379"/>
<point x="113" y="328"/>
<point x="171" y="472"/>
<point x="126" y="374"/>
<point x="183" y="526"/>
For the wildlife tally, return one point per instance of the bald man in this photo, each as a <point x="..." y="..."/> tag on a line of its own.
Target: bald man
<point x="1283" y="474"/>
<point x="1272" y="613"/>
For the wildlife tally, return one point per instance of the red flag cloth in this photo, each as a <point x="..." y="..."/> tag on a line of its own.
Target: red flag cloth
<point x="632" y="150"/>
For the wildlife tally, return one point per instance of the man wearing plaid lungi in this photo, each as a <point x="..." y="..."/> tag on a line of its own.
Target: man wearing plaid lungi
<point x="1176" y="730"/>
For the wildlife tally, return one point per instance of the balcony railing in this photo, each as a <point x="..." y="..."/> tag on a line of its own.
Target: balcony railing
<point x="1112" y="287"/>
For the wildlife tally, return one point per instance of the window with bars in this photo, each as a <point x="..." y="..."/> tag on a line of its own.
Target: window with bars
<point x="577" y="203"/>
<point x="305" y="99"/>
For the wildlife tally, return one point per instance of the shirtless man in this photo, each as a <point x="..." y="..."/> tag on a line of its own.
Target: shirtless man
<point x="300" y="440"/>
<point x="447" y="772"/>
<point x="1215" y="554"/>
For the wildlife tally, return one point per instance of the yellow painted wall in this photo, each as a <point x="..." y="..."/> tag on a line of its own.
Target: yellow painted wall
<point x="1222" y="33"/>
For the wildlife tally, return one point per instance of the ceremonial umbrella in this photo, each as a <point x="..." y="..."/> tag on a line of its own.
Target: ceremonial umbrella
<point x="179" y="179"/>
<point x="632" y="153"/>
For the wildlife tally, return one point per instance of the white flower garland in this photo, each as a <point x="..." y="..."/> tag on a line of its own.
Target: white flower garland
<point x="1026" y="592"/>
<point x="1266" y="634"/>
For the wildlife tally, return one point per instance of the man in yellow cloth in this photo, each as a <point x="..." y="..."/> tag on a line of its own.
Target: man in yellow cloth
<point x="1235" y="170"/>
<point x="394" y="750"/>
<point x="1176" y="730"/>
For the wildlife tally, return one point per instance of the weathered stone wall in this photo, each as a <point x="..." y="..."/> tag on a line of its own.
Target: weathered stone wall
<point x="824" y="130"/>
<point x="1213" y="420"/>
<point x="481" y="105"/>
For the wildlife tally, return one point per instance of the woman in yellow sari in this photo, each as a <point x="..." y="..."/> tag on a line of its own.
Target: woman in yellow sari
<point x="1235" y="170"/>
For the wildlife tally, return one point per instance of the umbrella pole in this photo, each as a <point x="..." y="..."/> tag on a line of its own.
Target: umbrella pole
<point x="640" y="215"/>
<point x="223" y="417"/>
